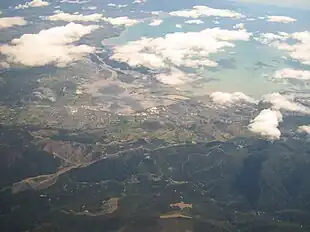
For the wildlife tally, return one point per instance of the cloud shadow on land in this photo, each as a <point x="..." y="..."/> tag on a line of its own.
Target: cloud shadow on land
<point x="18" y="84"/>
<point x="247" y="182"/>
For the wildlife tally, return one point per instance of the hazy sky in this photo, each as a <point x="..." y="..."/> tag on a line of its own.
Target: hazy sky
<point x="294" y="3"/>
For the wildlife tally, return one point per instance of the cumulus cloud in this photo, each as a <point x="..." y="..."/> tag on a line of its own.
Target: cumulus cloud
<point x="74" y="1"/>
<point x="174" y="77"/>
<point x="156" y="22"/>
<point x="266" y="124"/>
<point x="117" y="5"/>
<point x="121" y="21"/>
<point x="51" y="46"/>
<point x="299" y="51"/>
<point x="118" y="21"/>
<point x="33" y="3"/>
<point x="304" y="129"/>
<point x="269" y="38"/>
<point x="139" y="1"/>
<point x="288" y="73"/>
<point x="62" y="16"/>
<point x="178" y="26"/>
<point x="194" y="21"/>
<point x="239" y="26"/>
<point x="156" y="12"/>
<point x="280" y="19"/>
<point x="181" y="49"/>
<point x="7" y="22"/>
<point x="4" y="65"/>
<point x="229" y="99"/>
<point x="281" y="102"/>
<point x="92" y="8"/>
<point x="199" y="11"/>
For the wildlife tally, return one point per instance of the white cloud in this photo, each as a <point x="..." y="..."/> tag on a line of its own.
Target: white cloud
<point x="269" y="38"/>
<point x="4" y="65"/>
<point x="190" y="49"/>
<point x="139" y="1"/>
<point x="156" y="22"/>
<point x="239" y="26"/>
<point x="121" y="21"/>
<point x="178" y="26"/>
<point x="229" y="99"/>
<point x="199" y="11"/>
<point x="117" y="5"/>
<point x="266" y="124"/>
<point x="304" y="129"/>
<point x="156" y="12"/>
<point x="7" y="22"/>
<point x="173" y="77"/>
<point x="62" y="16"/>
<point x="280" y="19"/>
<point x="281" y="102"/>
<point x="92" y="8"/>
<point x="33" y="3"/>
<point x="74" y="1"/>
<point x="132" y="54"/>
<point x="299" y="51"/>
<point x="51" y="46"/>
<point x="194" y="21"/>
<point x="122" y="6"/>
<point x="282" y="33"/>
<point x="288" y="73"/>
